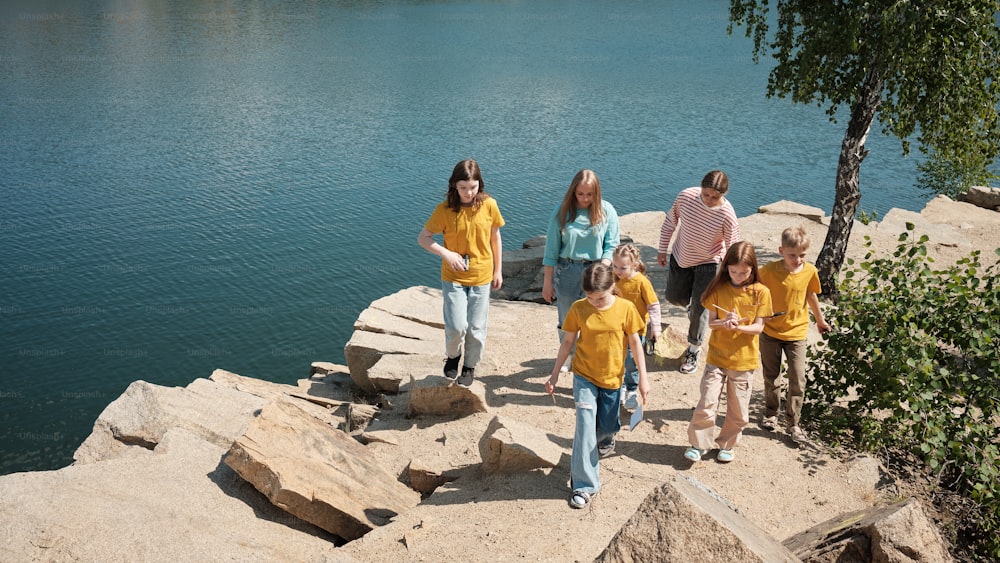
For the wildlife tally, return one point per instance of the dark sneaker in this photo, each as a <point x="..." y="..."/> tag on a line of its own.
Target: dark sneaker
<point x="690" y="362"/>
<point x="605" y="451"/>
<point x="465" y="380"/>
<point x="451" y="367"/>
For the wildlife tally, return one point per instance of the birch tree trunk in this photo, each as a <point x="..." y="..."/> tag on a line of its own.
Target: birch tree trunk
<point x="848" y="194"/>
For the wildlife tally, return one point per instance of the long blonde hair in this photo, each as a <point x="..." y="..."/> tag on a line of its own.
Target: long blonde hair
<point x="568" y="209"/>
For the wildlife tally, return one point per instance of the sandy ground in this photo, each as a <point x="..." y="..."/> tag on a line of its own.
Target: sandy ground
<point x="779" y="486"/>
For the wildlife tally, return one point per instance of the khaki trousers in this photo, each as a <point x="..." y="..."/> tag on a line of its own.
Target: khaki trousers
<point x="738" y="386"/>
<point x="770" y="360"/>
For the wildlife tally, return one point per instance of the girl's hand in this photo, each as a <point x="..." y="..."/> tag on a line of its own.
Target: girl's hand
<point x="456" y="262"/>
<point x="497" y="280"/>
<point x="550" y="385"/>
<point x="732" y="321"/>
<point x="644" y="389"/>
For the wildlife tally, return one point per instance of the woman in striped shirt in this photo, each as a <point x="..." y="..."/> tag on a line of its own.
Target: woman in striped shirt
<point x="705" y="226"/>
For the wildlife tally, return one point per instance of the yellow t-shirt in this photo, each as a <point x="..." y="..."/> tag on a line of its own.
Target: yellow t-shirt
<point x="736" y="350"/>
<point x="600" y="345"/>
<point x="467" y="232"/>
<point x="788" y="293"/>
<point x="639" y="290"/>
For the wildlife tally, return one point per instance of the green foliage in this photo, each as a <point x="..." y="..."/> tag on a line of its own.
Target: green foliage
<point x="914" y="366"/>
<point x="939" y="62"/>
<point x="939" y="175"/>
<point x="866" y="217"/>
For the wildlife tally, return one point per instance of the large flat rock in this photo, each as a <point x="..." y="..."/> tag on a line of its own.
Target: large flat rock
<point x="178" y="503"/>
<point x="510" y="446"/>
<point x="419" y="304"/>
<point x="365" y="349"/>
<point x="136" y="421"/>
<point x="392" y="370"/>
<point x="318" y="473"/>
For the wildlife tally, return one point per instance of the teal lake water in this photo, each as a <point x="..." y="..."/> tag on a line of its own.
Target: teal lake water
<point x="187" y="186"/>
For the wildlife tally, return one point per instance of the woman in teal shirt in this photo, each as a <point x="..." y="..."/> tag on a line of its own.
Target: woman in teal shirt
<point x="583" y="229"/>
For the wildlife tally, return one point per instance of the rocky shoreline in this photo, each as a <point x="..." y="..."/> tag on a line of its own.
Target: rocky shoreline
<point x="381" y="459"/>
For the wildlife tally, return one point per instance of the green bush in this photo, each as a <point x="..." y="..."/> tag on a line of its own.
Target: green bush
<point x="913" y="366"/>
<point x="952" y="177"/>
<point x="866" y="217"/>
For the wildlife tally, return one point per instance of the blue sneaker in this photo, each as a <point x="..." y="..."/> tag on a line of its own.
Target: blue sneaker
<point x="694" y="454"/>
<point x="725" y="456"/>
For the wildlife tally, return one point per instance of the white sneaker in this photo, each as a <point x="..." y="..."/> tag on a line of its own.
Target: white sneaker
<point x="632" y="400"/>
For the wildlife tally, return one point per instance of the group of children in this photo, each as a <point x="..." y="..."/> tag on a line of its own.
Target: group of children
<point x="755" y="315"/>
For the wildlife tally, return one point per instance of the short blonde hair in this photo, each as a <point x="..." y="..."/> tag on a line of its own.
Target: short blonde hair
<point x="794" y="237"/>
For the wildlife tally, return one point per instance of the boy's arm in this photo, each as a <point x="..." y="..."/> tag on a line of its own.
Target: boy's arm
<point x="821" y="324"/>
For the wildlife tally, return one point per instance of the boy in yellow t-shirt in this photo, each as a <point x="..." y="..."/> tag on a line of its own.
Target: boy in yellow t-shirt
<point x="794" y="284"/>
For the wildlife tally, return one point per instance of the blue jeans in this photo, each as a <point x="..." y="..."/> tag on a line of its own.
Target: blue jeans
<point x="631" y="380"/>
<point x="466" y="312"/>
<point x="685" y="287"/>
<point x="567" y="283"/>
<point x="597" y="422"/>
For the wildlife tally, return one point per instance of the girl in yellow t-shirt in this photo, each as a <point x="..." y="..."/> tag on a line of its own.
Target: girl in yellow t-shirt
<point x="738" y="305"/>
<point x="471" y="263"/>
<point x="632" y="284"/>
<point x="600" y="326"/>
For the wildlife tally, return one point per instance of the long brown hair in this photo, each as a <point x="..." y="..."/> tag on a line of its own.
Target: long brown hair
<point x="567" y="209"/>
<point x="468" y="169"/>
<point x="739" y="253"/>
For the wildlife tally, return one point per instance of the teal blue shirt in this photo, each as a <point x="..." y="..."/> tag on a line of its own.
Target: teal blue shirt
<point x="580" y="240"/>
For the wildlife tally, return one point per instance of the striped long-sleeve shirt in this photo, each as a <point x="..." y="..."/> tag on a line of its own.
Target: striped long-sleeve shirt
<point x="703" y="233"/>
